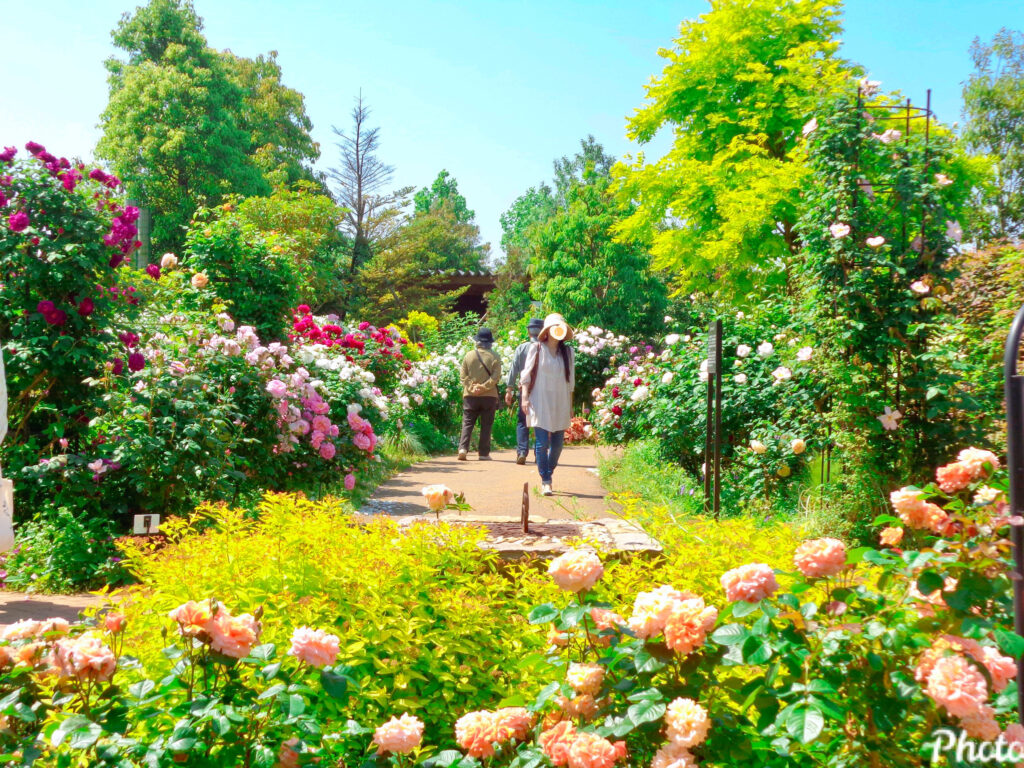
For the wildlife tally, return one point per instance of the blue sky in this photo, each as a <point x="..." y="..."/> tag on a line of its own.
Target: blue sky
<point x="491" y="90"/>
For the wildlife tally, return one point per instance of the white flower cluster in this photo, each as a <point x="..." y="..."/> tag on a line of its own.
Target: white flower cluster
<point x="592" y="341"/>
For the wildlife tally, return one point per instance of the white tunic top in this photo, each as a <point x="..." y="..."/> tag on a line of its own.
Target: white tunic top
<point x="551" y="399"/>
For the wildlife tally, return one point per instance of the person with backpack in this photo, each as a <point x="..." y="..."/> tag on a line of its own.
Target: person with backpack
<point x="512" y="389"/>
<point x="481" y="372"/>
<point x="546" y="390"/>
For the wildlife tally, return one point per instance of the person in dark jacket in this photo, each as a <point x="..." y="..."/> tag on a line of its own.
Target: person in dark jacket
<point x="481" y="372"/>
<point x="512" y="389"/>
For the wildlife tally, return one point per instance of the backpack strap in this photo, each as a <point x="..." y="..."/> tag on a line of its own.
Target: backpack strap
<point x="481" y="359"/>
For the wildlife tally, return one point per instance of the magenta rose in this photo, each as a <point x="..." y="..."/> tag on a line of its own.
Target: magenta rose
<point x="18" y="221"/>
<point x="8" y="154"/>
<point x="118" y="366"/>
<point x="327" y="451"/>
<point x="350" y="481"/>
<point x="45" y="307"/>
<point x="153" y="270"/>
<point x="86" y="307"/>
<point x="35" y="147"/>
<point x="136" y="362"/>
<point x="57" y="317"/>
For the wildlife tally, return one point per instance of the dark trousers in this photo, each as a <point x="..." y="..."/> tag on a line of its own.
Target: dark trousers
<point x="522" y="431"/>
<point x="473" y="408"/>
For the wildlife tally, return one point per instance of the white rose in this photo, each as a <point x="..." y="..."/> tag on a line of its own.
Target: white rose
<point x="740" y="378"/>
<point x="168" y="261"/>
<point x="758" y="447"/>
<point x="804" y="354"/>
<point x="667" y="378"/>
<point x="672" y="339"/>
<point x="765" y="348"/>
<point x="640" y="393"/>
<point x="782" y="373"/>
<point x="798" y="446"/>
<point x="742" y="350"/>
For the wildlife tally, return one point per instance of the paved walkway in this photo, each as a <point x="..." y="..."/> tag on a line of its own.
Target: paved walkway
<point x="15" y="606"/>
<point x="495" y="488"/>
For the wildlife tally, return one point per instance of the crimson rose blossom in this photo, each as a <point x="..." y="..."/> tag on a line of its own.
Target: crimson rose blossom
<point x="136" y="362"/>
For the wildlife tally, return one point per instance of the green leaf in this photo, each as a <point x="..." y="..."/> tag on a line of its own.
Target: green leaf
<point x="804" y="723"/>
<point x="543" y="614"/>
<point x="930" y="581"/>
<point x="1010" y="643"/>
<point x="645" y="712"/>
<point x="273" y="690"/>
<point x="334" y="684"/>
<point x="756" y="650"/>
<point x="296" y="705"/>
<point x="743" y="608"/>
<point x="730" y="634"/>
<point x="79" y="731"/>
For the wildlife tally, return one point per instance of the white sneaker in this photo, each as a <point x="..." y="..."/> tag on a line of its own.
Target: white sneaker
<point x="545" y="490"/>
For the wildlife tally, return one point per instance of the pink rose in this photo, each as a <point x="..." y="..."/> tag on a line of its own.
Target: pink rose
<point x="577" y="570"/>
<point x="84" y="657"/>
<point x="750" y="583"/>
<point x="820" y="557"/>
<point x="362" y="442"/>
<point x="314" y="647"/>
<point x="350" y="481"/>
<point x="115" y="622"/>
<point x="954" y="477"/>
<point x="399" y="735"/>
<point x="327" y="451"/>
<point x="233" y="636"/>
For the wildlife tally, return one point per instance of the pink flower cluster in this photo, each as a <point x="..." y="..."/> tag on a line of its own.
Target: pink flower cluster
<point x="820" y="558"/>
<point x="211" y="623"/>
<point x="363" y="436"/>
<point x="85" y="657"/>
<point x="576" y="570"/>
<point x="687" y="725"/>
<point x="399" y="735"/>
<point x="478" y="732"/>
<point x="750" y="583"/>
<point x="306" y="329"/>
<point x="917" y="513"/>
<point x="565" y="746"/>
<point x="683" y="617"/>
<point x="314" y="647"/>
<point x="972" y="464"/>
<point x="950" y="672"/>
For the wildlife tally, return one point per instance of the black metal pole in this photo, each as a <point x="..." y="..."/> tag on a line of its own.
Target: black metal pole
<point x="708" y="441"/>
<point x="718" y="417"/>
<point x="1014" y="391"/>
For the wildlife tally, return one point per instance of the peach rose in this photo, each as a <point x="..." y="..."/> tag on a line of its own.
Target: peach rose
<point x="890" y="536"/>
<point x="314" y="647"/>
<point x="958" y="686"/>
<point x="916" y="512"/>
<point x="54" y="626"/>
<point x="588" y="750"/>
<point x="688" y="625"/>
<point x="200" y="280"/>
<point x="233" y="636"/>
<point x="585" y="678"/>
<point x="85" y="657"/>
<point x="576" y="570"/>
<point x="557" y="741"/>
<point x="21" y="630"/>
<point x="954" y="477"/>
<point x="192" y="617"/>
<point x="438" y="496"/>
<point x="399" y="735"/>
<point x="580" y="707"/>
<point x="652" y="609"/>
<point x="115" y="622"/>
<point x="981" y="725"/>
<point x="820" y="558"/>
<point x="557" y="639"/>
<point x="687" y="722"/>
<point x="475" y="733"/>
<point x="673" y="755"/>
<point x="976" y="461"/>
<point x="512" y="723"/>
<point x="750" y="583"/>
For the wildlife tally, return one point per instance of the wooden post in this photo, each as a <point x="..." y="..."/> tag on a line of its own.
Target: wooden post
<point x="526" y="508"/>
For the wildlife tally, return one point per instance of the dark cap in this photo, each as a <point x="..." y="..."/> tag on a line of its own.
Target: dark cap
<point x="484" y="336"/>
<point x="535" y="324"/>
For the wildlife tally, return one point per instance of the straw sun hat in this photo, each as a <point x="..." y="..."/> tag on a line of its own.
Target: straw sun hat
<point x="556" y="325"/>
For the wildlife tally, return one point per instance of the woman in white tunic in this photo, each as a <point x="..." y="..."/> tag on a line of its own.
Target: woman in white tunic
<point x="547" y="383"/>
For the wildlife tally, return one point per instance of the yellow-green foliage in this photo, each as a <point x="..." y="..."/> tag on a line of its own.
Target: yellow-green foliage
<point x="698" y="550"/>
<point x="427" y="620"/>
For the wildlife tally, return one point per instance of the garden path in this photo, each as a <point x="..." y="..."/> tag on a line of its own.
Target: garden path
<point x="495" y="488"/>
<point x="15" y="606"/>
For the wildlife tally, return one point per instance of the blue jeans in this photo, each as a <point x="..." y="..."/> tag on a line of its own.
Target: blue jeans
<point x="522" y="431"/>
<point x="546" y="450"/>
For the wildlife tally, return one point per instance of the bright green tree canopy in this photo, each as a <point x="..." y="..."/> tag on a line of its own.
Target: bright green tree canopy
<point x="444" y="192"/>
<point x="739" y="85"/>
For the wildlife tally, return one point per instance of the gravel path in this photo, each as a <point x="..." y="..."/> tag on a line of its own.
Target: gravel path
<point x="495" y="488"/>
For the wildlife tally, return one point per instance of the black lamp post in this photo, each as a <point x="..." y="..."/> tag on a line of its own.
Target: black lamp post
<point x="1014" y="384"/>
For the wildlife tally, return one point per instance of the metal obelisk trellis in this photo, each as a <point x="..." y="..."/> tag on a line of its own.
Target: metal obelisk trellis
<point x="713" y="440"/>
<point x="1014" y="384"/>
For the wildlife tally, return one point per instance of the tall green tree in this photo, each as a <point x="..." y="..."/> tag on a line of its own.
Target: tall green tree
<point x="583" y="272"/>
<point x="740" y="83"/>
<point x="444" y="191"/>
<point x="994" y="126"/>
<point x="569" y="170"/>
<point x="186" y="125"/>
